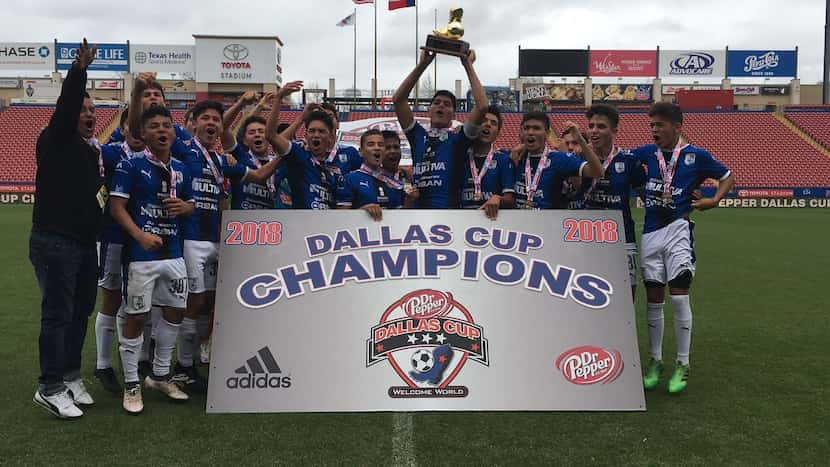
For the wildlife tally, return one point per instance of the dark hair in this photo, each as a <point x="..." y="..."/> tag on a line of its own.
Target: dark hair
<point x="86" y="95"/>
<point x="389" y="134"/>
<point x="240" y="135"/>
<point x="495" y="110"/>
<point x="202" y="107"/>
<point x="188" y="114"/>
<point x="153" y="84"/>
<point x="606" y="111"/>
<point x="282" y="127"/>
<point x="447" y="94"/>
<point x="124" y="116"/>
<point x="667" y="111"/>
<point x="368" y="133"/>
<point x="331" y="108"/>
<point x="155" y="111"/>
<point x="319" y="115"/>
<point x="537" y="115"/>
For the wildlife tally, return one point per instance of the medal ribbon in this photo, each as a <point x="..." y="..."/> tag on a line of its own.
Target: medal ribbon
<point x="479" y="176"/>
<point x="217" y="174"/>
<point x="605" y="164"/>
<point x="382" y="177"/>
<point x="270" y="182"/>
<point x="155" y="160"/>
<point x="667" y="171"/>
<point x="532" y="186"/>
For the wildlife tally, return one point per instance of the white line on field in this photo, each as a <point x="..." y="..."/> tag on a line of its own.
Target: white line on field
<point x="403" y="446"/>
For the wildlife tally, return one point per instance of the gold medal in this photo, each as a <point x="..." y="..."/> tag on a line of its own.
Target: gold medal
<point x="667" y="199"/>
<point x="529" y="204"/>
<point x="477" y="197"/>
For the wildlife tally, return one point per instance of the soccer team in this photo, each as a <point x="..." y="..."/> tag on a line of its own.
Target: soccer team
<point x="160" y="192"/>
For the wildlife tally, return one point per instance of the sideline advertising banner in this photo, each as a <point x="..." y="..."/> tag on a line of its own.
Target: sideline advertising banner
<point x="27" y="56"/>
<point x="108" y="57"/>
<point x="762" y="63"/>
<point x="180" y="59"/>
<point x="620" y="63"/>
<point x="238" y="60"/>
<point x="693" y="63"/>
<point x="425" y="310"/>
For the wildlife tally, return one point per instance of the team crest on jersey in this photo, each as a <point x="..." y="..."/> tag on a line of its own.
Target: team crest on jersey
<point x="547" y="164"/>
<point x="690" y="159"/>
<point x="619" y="167"/>
<point x="343" y="157"/>
<point x="138" y="302"/>
<point x="427" y="337"/>
<point x="492" y="165"/>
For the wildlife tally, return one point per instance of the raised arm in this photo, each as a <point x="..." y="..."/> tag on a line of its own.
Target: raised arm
<point x="228" y="138"/>
<point x="280" y="144"/>
<point x="290" y="132"/>
<point x="64" y="122"/>
<point x="594" y="167"/>
<point x="135" y="110"/>
<point x="401" y="97"/>
<point x="480" y="109"/>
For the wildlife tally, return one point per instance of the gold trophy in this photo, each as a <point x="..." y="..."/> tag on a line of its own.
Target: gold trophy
<point x="448" y="40"/>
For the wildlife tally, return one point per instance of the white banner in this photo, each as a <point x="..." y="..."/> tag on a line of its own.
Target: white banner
<point x="350" y="132"/>
<point x="41" y="89"/>
<point x="113" y="84"/>
<point x="9" y="83"/>
<point x="27" y="56"/>
<point x="425" y="310"/>
<point x="693" y="63"/>
<point x="236" y="60"/>
<point x="670" y="89"/>
<point x="746" y="90"/>
<point x="180" y="59"/>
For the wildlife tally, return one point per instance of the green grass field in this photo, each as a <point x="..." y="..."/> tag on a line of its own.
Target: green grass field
<point x="757" y="396"/>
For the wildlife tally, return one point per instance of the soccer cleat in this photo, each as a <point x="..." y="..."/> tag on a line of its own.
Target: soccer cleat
<point x="204" y="352"/>
<point x="188" y="377"/>
<point x="132" y="402"/>
<point x="679" y="379"/>
<point x="60" y="405"/>
<point x="653" y="372"/>
<point x="168" y="387"/>
<point x="145" y="368"/>
<point x="108" y="380"/>
<point x="78" y="392"/>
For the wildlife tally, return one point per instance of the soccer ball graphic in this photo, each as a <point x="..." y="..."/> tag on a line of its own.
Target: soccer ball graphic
<point x="422" y="361"/>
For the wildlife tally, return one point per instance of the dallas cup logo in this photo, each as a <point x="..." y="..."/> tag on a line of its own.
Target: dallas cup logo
<point x="427" y="337"/>
<point x="590" y="365"/>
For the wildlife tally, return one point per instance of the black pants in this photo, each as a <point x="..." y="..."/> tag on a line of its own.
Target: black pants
<point x="66" y="273"/>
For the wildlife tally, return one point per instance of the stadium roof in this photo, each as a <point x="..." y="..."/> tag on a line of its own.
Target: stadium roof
<point x="214" y="36"/>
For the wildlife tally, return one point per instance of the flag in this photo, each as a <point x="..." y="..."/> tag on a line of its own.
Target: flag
<point x="395" y="4"/>
<point x="361" y="2"/>
<point x="347" y="21"/>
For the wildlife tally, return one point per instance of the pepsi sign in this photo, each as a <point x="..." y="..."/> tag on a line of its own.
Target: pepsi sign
<point x="762" y="63"/>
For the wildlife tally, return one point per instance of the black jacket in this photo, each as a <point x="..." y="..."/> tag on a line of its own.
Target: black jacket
<point x="68" y="177"/>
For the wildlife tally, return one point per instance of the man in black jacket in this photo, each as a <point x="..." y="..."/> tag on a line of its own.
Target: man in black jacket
<point x="69" y="199"/>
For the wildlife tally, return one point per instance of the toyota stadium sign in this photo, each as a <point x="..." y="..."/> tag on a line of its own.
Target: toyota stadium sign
<point x="27" y="56"/>
<point x="239" y="60"/>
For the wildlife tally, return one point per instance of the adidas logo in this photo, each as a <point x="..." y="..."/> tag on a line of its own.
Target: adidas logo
<point x="253" y="375"/>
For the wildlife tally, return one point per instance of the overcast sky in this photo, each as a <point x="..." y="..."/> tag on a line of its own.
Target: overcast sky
<point x="316" y="50"/>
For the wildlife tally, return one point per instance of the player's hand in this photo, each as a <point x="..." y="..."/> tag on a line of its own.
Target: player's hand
<point x="573" y="129"/>
<point x="427" y="56"/>
<point x="290" y="88"/>
<point x="491" y="207"/>
<point x="231" y="160"/>
<point x="86" y="55"/>
<point x="248" y="97"/>
<point x="704" y="203"/>
<point x="469" y="59"/>
<point x="268" y="99"/>
<point x="147" y="76"/>
<point x="310" y="107"/>
<point x="406" y="171"/>
<point x="150" y="242"/>
<point x="176" y="206"/>
<point x="516" y="154"/>
<point x="374" y="210"/>
<point x="697" y="195"/>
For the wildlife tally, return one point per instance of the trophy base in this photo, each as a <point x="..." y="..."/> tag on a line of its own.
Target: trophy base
<point x="444" y="46"/>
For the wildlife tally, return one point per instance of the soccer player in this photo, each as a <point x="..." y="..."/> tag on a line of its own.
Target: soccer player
<point x="370" y="187"/>
<point x="488" y="173"/>
<point x="346" y="158"/>
<point x="541" y="171"/>
<point x="437" y="176"/>
<point x="111" y="241"/>
<point x="189" y="122"/>
<point x="70" y="196"/>
<point x="623" y="172"/>
<point x="149" y="195"/>
<point x="675" y="170"/>
<point x="572" y="186"/>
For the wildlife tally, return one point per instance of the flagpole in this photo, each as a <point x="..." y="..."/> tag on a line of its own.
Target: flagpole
<point x="435" y="61"/>
<point x="354" y="65"/>
<point x="418" y="83"/>
<point x="375" y="90"/>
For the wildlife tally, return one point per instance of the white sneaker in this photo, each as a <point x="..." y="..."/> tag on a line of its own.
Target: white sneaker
<point x="133" y="403"/>
<point x="167" y="387"/>
<point x="60" y="405"/>
<point x="204" y="352"/>
<point x="79" y="393"/>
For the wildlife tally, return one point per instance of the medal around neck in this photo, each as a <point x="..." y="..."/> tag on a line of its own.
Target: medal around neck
<point x="448" y="41"/>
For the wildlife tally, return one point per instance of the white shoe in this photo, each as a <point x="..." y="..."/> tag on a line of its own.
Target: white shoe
<point x="204" y="352"/>
<point x="60" y="405"/>
<point x="167" y="387"/>
<point x="133" y="403"/>
<point x="79" y="393"/>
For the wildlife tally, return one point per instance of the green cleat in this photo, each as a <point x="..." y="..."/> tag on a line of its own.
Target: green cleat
<point x="653" y="372"/>
<point x="679" y="379"/>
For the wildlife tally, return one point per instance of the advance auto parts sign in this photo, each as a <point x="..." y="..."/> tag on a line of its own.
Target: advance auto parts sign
<point x="236" y="60"/>
<point x="426" y="310"/>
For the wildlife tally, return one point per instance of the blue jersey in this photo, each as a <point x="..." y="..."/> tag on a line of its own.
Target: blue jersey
<point x="346" y="158"/>
<point x="313" y="183"/>
<point x="694" y="165"/>
<point x="360" y="189"/>
<point x="208" y="190"/>
<point x="145" y="184"/>
<point x="284" y="199"/>
<point x="623" y="172"/>
<point x="111" y="155"/>
<point x="434" y="158"/>
<point x="558" y="167"/>
<point x="250" y="195"/>
<point x="498" y="179"/>
<point x="178" y="150"/>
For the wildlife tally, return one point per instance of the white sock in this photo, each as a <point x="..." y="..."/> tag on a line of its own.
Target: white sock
<point x="129" y="350"/>
<point x="155" y="317"/>
<point x="188" y="335"/>
<point x="166" y="334"/>
<point x="654" y="317"/>
<point x="104" y="336"/>
<point x="682" y="326"/>
<point x="145" y="347"/>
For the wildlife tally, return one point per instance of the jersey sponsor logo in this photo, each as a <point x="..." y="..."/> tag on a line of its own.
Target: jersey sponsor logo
<point x="588" y="365"/>
<point x="427" y="337"/>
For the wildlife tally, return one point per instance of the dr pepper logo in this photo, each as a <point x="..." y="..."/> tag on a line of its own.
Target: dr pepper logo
<point x="590" y="365"/>
<point x="427" y="337"/>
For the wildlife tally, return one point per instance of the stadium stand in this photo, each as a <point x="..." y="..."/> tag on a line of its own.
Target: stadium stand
<point x="815" y="124"/>
<point x="21" y="126"/>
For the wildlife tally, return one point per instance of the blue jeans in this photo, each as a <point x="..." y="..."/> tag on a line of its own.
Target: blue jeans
<point x="66" y="273"/>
